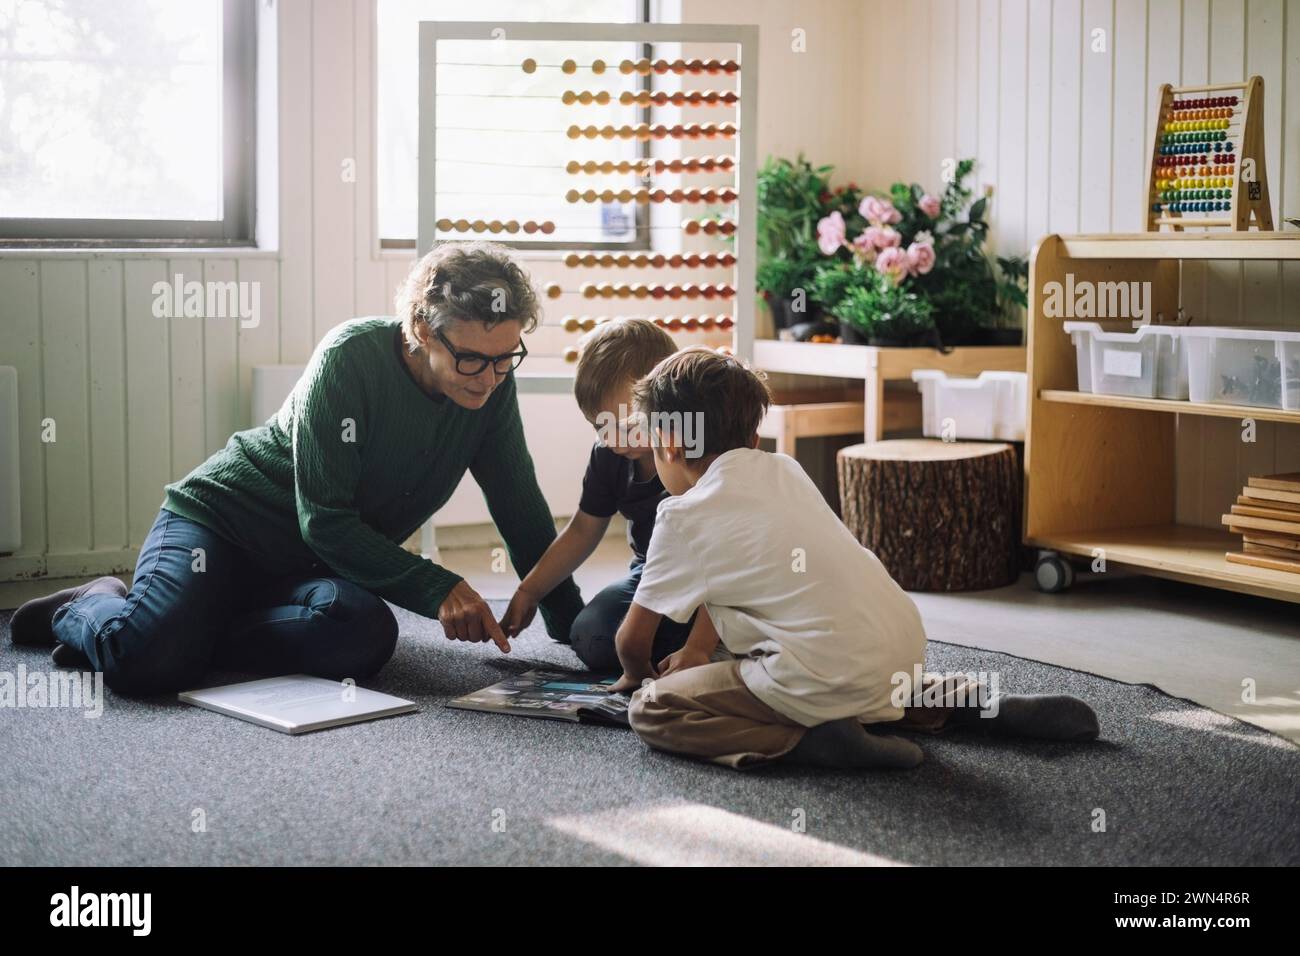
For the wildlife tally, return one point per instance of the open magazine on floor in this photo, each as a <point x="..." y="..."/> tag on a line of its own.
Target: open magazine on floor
<point x="554" y="695"/>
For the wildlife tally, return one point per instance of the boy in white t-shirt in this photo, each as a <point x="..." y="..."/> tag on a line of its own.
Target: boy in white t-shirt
<point x="820" y="629"/>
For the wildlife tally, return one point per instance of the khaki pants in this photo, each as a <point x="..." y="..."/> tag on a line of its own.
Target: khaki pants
<point x="708" y="712"/>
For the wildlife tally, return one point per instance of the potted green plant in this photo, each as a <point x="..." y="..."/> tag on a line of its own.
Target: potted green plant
<point x="929" y="246"/>
<point x="784" y="282"/>
<point x="1013" y="299"/>
<point x="880" y="311"/>
<point x="791" y="199"/>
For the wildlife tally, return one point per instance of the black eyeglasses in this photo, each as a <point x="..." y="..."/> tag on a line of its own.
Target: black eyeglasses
<point x="473" y="363"/>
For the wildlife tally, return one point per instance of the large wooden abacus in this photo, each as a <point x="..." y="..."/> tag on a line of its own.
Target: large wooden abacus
<point x="1207" y="164"/>
<point x="710" y="251"/>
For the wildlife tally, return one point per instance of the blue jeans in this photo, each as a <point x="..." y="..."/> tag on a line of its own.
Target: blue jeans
<point x="182" y="617"/>
<point x="592" y="635"/>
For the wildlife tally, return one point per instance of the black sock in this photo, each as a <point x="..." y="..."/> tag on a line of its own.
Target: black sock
<point x="68" y="658"/>
<point x="845" y="745"/>
<point x="1044" y="716"/>
<point x="32" y="624"/>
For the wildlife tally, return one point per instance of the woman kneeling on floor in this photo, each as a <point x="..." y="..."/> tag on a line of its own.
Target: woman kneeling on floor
<point x="276" y="554"/>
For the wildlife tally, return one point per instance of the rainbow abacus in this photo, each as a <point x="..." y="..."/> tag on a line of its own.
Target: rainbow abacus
<point x="1207" y="168"/>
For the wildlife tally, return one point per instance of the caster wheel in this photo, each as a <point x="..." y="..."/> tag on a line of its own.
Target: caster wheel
<point x="1053" y="574"/>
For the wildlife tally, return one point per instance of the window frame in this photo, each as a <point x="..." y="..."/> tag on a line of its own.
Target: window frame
<point x="239" y="172"/>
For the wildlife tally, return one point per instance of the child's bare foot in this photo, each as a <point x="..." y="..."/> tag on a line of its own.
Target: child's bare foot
<point x="845" y="745"/>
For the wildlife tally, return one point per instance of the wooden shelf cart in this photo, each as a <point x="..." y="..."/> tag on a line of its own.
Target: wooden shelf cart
<point x="1099" y="469"/>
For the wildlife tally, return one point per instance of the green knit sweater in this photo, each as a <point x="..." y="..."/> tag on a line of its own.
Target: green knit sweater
<point x="357" y="459"/>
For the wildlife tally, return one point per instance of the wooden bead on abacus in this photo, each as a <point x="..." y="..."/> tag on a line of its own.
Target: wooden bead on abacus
<point x="553" y="290"/>
<point x="696" y="66"/>
<point x="494" y="225"/>
<point x="570" y="354"/>
<point x="710" y="227"/>
<point x="568" y="66"/>
<point x="529" y="65"/>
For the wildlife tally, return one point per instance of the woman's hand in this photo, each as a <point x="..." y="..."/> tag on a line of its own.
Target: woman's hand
<point x="520" y="613"/>
<point x="681" y="660"/>
<point x="465" y="616"/>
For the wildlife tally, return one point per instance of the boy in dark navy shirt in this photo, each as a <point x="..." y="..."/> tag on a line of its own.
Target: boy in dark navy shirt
<point x="620" y="479"/>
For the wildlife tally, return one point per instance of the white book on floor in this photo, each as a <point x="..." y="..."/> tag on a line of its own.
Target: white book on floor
<point x="297" y="704"/>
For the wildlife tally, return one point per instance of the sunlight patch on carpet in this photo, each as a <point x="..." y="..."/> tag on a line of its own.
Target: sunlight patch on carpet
<point x="694" y="834"/>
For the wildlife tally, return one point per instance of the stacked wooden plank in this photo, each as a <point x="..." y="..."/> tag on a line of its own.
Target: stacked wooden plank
<point x="1267" y="516"/>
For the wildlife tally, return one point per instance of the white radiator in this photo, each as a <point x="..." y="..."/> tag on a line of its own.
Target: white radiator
<point x="10" y="511"/>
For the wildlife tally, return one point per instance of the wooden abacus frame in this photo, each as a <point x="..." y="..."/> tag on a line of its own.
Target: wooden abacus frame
<point x="746" y="40"/>
<point x="1249" y="200"/>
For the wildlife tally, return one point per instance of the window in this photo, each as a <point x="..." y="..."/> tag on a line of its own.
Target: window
<point x="126" y="123"/>
<point x="482" y="117"/>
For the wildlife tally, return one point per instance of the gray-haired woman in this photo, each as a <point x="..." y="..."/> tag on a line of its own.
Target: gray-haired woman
<point x="275" y="555"/>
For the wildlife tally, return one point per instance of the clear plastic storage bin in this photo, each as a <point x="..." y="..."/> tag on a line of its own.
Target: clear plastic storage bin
<point x="1148" y="362"/>
<point x="1291" y="374"/>
<point x="991" y="406"/>
<point x="1252" y="367"/>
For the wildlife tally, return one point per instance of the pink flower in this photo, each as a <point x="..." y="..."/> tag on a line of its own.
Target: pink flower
<point x="830" y="233"/>
<point x="920" y="258"/>
<point x="864" y="248"/>
<point x="878" y="212"/>
<point x="882" y="237"/>
<point x="929" y="205"/>
<point x="892" y="262"/>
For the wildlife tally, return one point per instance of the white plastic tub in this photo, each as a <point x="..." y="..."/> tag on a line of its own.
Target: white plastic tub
<point x="1253" y="367"/>
<point x="1291" y="375"/>
<point x="989" y="407"/>
<point x="1148" y="362"/>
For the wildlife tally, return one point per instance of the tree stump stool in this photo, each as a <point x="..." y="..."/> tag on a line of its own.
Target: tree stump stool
<point x="940" y="516"/>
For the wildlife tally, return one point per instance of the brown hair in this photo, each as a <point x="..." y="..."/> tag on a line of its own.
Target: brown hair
<point x="731" y="397"/>
<point x="478" y="281"/>
<point x="614" y="355"/>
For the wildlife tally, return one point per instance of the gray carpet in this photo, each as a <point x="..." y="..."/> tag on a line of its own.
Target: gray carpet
<point x="1178" y="785"/>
